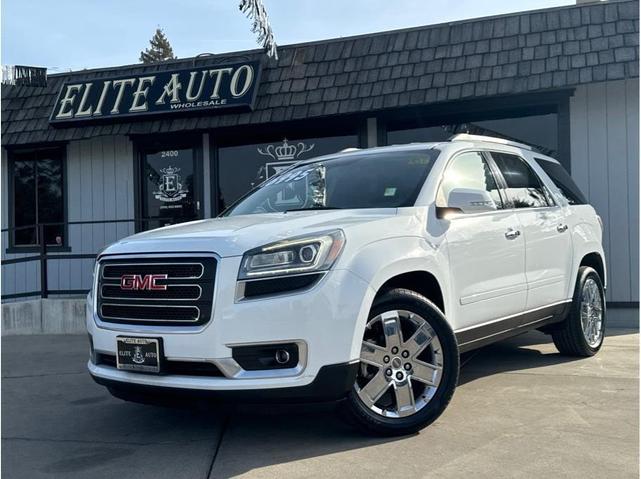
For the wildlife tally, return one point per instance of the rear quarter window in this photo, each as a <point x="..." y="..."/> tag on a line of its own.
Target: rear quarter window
<point x="563" y="181"/>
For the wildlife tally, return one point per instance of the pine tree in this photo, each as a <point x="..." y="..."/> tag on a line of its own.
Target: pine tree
<point x="160" y="49"/>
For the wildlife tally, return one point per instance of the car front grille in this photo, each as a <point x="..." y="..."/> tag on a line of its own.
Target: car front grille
<point x="167" y="291"/>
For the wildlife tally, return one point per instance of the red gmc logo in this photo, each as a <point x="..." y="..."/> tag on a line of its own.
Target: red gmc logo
<point x="147" y="282"/>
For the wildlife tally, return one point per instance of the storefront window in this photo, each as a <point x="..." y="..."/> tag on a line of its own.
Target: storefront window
<point x="168" y="186"/>
<point x="537" y="130"/>
<point x="241" y="168"/>
<point x="38" y="197"/>
<point x="415" y="135"/>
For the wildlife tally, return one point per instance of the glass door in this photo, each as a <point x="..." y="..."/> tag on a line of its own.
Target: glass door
<point x="170" y="185"/>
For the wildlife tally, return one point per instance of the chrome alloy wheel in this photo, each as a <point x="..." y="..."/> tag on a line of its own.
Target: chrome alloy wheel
<point x="398" y="377"/>
<point x="591" y="313"/>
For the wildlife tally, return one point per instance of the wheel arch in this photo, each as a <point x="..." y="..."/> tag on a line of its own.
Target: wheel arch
<point x="401" y="262"/>
<point x="421" y="282"/>
<point x="595" y="261"/>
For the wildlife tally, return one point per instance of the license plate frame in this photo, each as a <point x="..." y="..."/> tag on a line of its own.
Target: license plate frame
<point x="143" y="355"/>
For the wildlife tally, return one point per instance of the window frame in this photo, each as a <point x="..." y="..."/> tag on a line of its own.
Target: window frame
<point x="498" y="179"/>
<point x="143" y="145"/>
<point x="504" y="186"/>
<point x="14" y="155"/>
<point x="540" y="161"/>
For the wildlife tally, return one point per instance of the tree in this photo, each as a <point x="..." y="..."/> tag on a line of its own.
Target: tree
<point x="255" y="10"/>
<point x="160" y="49"/>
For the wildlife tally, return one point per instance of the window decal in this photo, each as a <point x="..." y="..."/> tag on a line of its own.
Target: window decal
<point x="170" y="189"/>
<point x="285" y="155"/>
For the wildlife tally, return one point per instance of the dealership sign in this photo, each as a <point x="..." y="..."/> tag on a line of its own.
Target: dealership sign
<point x="197" y="89"/>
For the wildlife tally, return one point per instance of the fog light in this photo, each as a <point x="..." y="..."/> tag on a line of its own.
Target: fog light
<point x="282" y="356"/>
<point x="266" y="356"/>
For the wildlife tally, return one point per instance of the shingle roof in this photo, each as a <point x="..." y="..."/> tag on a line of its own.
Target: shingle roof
<point x="508" y="54"/>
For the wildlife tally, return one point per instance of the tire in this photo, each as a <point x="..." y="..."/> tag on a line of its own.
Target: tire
<point x="569" y="338"/>
<point x="393" y="413"/>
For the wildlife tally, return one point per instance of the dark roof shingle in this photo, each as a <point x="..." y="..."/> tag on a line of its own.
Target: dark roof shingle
<point x="516" y="53"/>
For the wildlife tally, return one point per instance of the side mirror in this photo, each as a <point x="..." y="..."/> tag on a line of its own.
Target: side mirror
<point x="470" y="200"/>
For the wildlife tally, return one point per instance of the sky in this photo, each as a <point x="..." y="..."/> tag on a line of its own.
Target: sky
<point x="65" y="35"/>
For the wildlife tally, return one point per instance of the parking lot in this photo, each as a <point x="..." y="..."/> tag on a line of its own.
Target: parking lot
<point x="521" y="410"/>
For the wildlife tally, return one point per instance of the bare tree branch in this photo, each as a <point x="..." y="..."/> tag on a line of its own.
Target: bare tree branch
<point x="255" y="10"/>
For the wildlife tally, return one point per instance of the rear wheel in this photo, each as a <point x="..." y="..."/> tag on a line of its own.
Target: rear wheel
<point x="582" y="332"/>
<point x="409" y="366"/>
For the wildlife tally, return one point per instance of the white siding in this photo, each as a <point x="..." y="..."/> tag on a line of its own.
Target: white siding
<point x="604" y="122"/>
<point x="100" y="186"/>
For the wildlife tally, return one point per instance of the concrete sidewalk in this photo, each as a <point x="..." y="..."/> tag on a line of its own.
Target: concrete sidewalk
<point x="521" y="410"/>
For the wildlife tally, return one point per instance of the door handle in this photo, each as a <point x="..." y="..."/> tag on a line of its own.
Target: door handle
<point x="562" y="228"/>
<point x="512" y="234"/>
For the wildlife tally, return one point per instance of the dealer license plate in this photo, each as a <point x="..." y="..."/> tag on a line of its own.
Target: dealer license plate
<point x="138" y="354"/>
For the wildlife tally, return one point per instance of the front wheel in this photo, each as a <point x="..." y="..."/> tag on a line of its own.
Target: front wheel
<point x="409" y="366"/>
<point x="582" y="332"/>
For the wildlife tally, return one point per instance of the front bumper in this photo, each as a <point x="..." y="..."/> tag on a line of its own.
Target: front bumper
<point x="332" y="383"/>
<point x="327" y="322"/>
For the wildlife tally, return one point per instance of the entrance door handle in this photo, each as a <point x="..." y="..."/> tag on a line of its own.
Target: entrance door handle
<point x="512" y="234"/>
<point x="562" y="228"/>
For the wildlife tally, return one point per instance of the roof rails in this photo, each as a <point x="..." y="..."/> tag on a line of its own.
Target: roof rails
<point x="489" y="139"/>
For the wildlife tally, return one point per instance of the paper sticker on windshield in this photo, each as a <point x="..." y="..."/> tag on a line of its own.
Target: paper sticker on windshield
<point x="419" y="161"/>
<point x="294" y="175"/>
<point x="390" y="191"/>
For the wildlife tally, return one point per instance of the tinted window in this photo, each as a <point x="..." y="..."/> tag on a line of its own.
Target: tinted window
<point x="369" y="180"/>
<point x="168" y="186"/>
<point x="563" y="181"/>
<point x="38" y="196"/>
<point x="468" y="170"/>
<point x="524" y="188"/>
<point x="540" y="131"/>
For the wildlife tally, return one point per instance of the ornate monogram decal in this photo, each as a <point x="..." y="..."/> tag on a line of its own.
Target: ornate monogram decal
<point x="138" y="357"/>
<point x="170" y="189"/>
<point x="285" y="155"/>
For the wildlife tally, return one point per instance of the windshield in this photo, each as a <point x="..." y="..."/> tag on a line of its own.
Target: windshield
<point x="386" y="179"/>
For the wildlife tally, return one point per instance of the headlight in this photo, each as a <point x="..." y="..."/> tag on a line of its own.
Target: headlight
<point x="94" y="281"/>
<point x="294" y="256"/>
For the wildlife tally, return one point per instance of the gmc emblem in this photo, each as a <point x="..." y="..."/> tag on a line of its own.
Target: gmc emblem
<point x="146" y="282"/>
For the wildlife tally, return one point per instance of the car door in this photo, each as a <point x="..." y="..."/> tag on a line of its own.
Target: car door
<point x="486" y="252"/>
<point x="548" y="242"/>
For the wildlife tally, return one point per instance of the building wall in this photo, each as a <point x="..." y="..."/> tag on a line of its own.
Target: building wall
<point x="605" y="164"/>
<point x="100" y="186"/>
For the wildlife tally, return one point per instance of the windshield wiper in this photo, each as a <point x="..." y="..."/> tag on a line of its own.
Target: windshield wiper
<point x="313" y="208"/>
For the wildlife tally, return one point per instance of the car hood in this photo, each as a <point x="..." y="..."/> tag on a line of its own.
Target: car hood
<point x="233" y="236"/>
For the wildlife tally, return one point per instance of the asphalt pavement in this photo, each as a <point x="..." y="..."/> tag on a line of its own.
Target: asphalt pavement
<point x="521" y="410"/>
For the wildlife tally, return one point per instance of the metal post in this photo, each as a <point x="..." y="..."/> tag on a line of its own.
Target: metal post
<point x="44" y="292"/>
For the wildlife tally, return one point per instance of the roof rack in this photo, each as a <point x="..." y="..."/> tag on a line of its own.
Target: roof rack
<point x="489" y="139"/>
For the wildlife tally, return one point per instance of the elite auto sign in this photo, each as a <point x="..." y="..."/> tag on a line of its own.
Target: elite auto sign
<point x="202" y="88"/>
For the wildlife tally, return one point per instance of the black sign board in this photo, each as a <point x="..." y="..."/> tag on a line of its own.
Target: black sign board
<point x="153" y="93"/>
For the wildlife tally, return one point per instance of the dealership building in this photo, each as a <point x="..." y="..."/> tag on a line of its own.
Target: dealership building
<point x="95" y="155"/>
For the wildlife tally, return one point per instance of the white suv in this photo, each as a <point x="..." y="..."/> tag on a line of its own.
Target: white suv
<point x="357" y="276"/>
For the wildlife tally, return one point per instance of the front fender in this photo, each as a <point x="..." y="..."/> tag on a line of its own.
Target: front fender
<point x="382" y="260"/>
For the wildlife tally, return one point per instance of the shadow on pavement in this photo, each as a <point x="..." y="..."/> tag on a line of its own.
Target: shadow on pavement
<point x="262" y="436"/>
<point x="272" y="435"/>
<point x="84" y="430"/>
